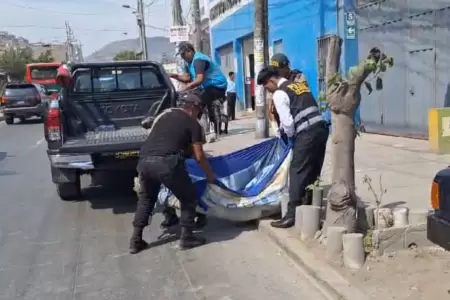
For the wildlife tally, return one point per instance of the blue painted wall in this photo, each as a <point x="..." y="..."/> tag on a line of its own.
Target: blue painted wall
<point x="297" y="23"/>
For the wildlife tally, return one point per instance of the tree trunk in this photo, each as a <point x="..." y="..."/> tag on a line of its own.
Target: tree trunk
<point x="343" y="97"/>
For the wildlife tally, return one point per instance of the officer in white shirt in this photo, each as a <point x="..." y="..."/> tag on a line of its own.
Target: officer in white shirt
<point x="301" y="123"/>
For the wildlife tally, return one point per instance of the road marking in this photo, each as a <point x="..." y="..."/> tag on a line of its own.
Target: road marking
<point x="37" y="144"/>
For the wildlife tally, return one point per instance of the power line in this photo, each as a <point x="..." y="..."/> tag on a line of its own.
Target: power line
<point x="80" y="29"/>
<point x="59" y="12"/>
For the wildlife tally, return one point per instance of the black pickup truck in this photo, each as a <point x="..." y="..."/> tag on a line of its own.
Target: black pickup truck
<point x="95" y="124"/>
<point x="438" y="221"/>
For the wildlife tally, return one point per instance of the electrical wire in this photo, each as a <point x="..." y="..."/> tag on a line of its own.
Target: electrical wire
<point x="81" y="29"/>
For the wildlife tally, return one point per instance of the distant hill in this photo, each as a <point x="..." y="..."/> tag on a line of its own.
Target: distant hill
<point x="157" y="48"/>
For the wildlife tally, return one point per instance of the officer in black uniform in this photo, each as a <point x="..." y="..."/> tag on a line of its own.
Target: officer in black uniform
<point x="174" y="136"/>
<point x="302" y="123"/>
<point x="282" y="63"/>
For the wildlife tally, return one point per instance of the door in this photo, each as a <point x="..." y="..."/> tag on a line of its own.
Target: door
<point x="420" y="89"/>
<point x="247" y="53"/>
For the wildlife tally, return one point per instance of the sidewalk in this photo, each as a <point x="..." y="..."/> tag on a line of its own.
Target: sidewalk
<point x="406" y="166"/>
<point x="407" y="169"/>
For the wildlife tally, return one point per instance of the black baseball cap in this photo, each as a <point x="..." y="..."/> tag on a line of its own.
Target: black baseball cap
<point x="279" y="60"/>
<point x="190" y="99"/>
<point x="185" y="46"/>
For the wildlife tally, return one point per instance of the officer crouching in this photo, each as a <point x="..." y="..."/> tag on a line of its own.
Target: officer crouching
<point x="174" y="136"/>
<point x="302" y="123"/>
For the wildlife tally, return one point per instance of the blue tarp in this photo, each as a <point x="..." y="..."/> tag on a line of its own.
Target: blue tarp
<point x="255" y="177"/>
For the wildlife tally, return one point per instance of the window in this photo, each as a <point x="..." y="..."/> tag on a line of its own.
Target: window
<point x="44" y="72"/>
<point x="117" y="79"/>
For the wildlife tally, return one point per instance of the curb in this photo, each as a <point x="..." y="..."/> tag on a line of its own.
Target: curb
<point x="328" y="281"/>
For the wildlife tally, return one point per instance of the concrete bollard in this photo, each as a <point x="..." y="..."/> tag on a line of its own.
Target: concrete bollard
<point x="400" y="215"/>
<point x="334" y="243"/>
<point x="310" y="221"/>
<point x="317" y="196"/>
<point x="417" y="216"/>
<point x="354" y="254"/>
<point x="298" y="218"/>
<point x="284" y="204"/>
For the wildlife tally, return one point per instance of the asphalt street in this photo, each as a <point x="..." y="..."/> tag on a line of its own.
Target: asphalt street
<point x="56" y="250"/>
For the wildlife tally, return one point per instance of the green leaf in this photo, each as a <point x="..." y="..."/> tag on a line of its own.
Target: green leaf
<point x="368" y="87"/>
<point x="379" y="84"/>
<point x="390" y="62"/>
<point x="353" y="71"/>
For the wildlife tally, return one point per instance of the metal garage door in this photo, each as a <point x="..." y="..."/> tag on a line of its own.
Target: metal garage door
<point x="227" y="59"/>
<point x="248" y="58"/>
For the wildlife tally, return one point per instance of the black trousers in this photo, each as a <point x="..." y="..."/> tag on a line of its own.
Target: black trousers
<point x="231" y="105"/>
<point x="308" y="154"/>
<point x="170" y="171"/>
<point x="210" y="98"/>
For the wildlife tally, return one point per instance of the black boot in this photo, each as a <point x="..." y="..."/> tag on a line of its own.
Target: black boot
<point x="137" y="244"/>
<point x="170" y="218"/>
<point x="188" y="240"/>
<point x="201" y="221"/>
<point x="287" y="221"/>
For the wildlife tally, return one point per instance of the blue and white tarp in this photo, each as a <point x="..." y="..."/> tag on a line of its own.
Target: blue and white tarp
<point x="250" y="182"/>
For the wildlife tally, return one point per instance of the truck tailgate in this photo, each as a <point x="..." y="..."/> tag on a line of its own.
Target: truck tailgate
<point x="128" y="138"/>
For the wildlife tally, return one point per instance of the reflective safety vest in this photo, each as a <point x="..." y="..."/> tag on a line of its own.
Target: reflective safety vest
<point x="304" y="109"/>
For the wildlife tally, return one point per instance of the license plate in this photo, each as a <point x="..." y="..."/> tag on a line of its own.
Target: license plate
<point x="126" y="154"/>
<point x="20" y="102"/>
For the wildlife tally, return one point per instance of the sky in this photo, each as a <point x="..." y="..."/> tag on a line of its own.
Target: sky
<point x="95" y="23"/>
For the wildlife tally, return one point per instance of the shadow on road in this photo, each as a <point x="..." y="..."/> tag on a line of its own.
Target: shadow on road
<point x="112" y="192"/>
<point x="215" y="231"/>
<point x="29" y="121"/>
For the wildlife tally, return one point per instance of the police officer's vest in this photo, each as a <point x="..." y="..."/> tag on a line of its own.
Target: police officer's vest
<point x="213" y="75"/>
<point x="304" y="109"/>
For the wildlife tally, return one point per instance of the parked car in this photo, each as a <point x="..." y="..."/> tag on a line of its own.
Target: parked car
<point x="24" y="100"/>
<point x="438" y="221"/>
<point x="95" y="124"/>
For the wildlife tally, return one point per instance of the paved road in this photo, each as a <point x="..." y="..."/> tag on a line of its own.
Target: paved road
<point x="55" y="250"/>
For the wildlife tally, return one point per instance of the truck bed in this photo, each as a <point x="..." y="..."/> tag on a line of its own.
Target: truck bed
<point x="124" y="139"/>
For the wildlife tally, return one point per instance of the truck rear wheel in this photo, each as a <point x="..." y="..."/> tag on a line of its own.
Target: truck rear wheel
<point x="69" y="190"/>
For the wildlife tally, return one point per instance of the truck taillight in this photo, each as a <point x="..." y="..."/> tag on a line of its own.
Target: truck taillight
<point x="54" y="122"/>
<point x="435" y="199"/>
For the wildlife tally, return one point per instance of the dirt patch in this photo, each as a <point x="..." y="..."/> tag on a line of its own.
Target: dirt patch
<point x="416" y="274"/>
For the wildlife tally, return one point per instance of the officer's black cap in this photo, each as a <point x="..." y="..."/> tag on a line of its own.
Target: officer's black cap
<point x="279" y="60"/>
<point x="190" y="99"/>
<point x="185" y="46"/>
<point x="266" y="73"/>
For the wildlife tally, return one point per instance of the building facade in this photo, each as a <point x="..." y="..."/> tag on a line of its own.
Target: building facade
<point x="300" y="29"/>
<point x="416" y="34"/>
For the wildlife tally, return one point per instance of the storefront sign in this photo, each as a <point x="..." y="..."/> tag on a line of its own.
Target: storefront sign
<point x="179" y="34"/>
<point x="222" y="7"/>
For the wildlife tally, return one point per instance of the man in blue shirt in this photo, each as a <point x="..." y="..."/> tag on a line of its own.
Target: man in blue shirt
<point x="202" y="72"/>
<point x="231" y="97"/>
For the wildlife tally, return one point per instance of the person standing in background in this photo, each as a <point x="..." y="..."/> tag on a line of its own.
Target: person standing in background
<point x="231" y="97"/>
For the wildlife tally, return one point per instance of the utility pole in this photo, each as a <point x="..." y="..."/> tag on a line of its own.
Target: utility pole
<point x="140" y="17"/>
<point x="196" y="19"/>
<point x="261" y="54"/>
<point x="69" y="42"/>
<point x="177" y="20"/>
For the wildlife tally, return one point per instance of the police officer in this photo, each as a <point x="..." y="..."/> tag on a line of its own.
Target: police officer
<point x="202" y="71"/>
<point x="302" y="123"/>
<point x="162" y="161"/>
<point x="281" y="61"/>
